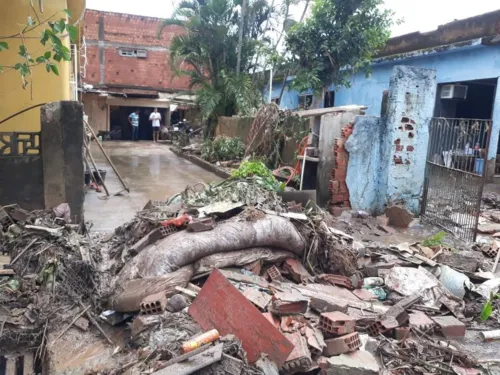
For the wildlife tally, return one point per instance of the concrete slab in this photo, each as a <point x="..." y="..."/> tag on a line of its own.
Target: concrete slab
<point x="151" y="171"/>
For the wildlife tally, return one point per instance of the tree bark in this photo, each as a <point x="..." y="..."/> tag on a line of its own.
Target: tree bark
<point x="240" y="36"/>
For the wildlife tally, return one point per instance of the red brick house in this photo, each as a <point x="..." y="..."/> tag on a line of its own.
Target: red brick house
<point x="125" y="66"/>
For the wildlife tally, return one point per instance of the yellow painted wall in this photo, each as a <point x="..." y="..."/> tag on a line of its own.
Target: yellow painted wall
<point x="45" y="87"/>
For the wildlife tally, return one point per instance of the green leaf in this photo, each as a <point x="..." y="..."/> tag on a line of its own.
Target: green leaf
<point x="55" y="40"/>
<point x="54" y="69"/>
<point x="73" y="32"/>
<point x="47" y="67"/>
<point x="58" y="57"/>
<point x="487" y="311"/>
<point x="40" y="59"/>
<point x="25" y="70"/>
<point x="59" y="26"/>
<point x="47" y="54"/>
<point x="68" y="12"/>
<point x="45" y="36"/>
<point x="4" y="46"/>
<point x="22" y="50"/>
<point x="1" y="68"/>
<point x="18" y="66"/>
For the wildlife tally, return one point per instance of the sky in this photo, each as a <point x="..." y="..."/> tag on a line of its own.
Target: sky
<point x="418" y="15"/>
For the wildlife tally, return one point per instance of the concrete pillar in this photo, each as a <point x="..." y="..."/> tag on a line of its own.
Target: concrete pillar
<point x="409" y="111"/>
<point x="62" y="154"/>
<point x="495" y="131"/>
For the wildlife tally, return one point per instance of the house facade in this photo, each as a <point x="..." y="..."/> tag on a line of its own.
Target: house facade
<point x="465" y="55"/>
<point x="126" y="67"/>
<point x="45" y="87"/>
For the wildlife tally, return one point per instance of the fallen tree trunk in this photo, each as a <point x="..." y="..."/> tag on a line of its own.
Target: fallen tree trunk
<point x="128" y="295"/>
<point x="240" y="258"/>
<point x="185" y="248"/>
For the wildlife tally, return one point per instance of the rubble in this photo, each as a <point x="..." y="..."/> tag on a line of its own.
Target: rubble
<point x="286" y="291"/>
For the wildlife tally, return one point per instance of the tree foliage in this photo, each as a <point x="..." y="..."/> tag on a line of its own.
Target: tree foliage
<point x="51" y="32"/>
<point x="339" y="38"/>
<point x="207" y="53"/>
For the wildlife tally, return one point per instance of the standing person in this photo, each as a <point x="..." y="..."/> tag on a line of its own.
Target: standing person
<point x="155" y="117"/>
<point x="133" y="120"/>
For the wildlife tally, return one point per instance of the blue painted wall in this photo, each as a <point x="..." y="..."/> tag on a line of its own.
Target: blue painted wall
<point x="468" y="63"/>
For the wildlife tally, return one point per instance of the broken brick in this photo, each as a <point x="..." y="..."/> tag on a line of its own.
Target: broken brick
<point x="399" y="216"/>
<point x="142" y="322"/>
<point x="201" y="225"/>
<point x="300" y="358"/>
<point x="421" y="321"/>
<point x="325" y="305"/>
<point x="450" y="326"/>
<point x="296" y="270"/>
<point x="365" y="295"/>
<point x="154" y="304"/>
<point x="315" y="340"/>
<point x="334" y="280"/>
<point x="289" y="303"/>
<point x="337" y="323"/>
<point x="274" y="274"/>
<point x="342" y="344"/>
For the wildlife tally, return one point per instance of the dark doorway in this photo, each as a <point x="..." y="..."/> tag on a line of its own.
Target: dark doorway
<point x="121" y="129"/>
<point x="329" y="99"/>
<point x="477" y="103"/>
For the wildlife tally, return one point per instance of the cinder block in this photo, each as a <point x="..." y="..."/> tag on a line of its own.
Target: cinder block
<point x="300" y="358"/>
<point x="274" y="274"/>
<point x="154" y="304"/>
<point x="341" y="345"/>
<point x="337" y="323"/>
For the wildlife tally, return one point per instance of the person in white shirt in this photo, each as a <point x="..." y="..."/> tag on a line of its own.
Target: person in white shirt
<point x="155" y="117"/>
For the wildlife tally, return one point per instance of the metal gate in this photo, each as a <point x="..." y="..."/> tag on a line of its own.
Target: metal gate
<point x="455" y="174"/>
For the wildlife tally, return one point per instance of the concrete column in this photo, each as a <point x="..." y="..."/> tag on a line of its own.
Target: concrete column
<point x="495" y="131"/>
<point x="409" y="111"/>
<point x="62" y="154"/>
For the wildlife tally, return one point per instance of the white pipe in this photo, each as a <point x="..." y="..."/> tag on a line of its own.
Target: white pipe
<point x="271" y="85"/>
<point x="303" y="167"/>
<point x="490" y="335"/>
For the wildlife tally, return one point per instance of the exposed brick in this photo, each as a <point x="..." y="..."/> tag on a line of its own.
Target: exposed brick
<point x="337" y="210"/>
<point x="289" y="303"/>
<point x="450" y="326"/>
<point x="410" y="148"/>
<point x="400" y="148"/>
<point x="341" y="345"/>
<point x="296" y="270"/>
<point x="397" y="159"/>
<point x="421" y="321"/>
<point x="315" y="340"/>
<point x="337" y="323"/>
<point x="300" y="358"/>
<point x="334" y="280"/>
<point x="154" y="304"/>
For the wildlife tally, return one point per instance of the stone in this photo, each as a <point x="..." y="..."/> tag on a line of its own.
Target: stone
<point x="176" y="303"/>
<point x="82" y="323"/>
<point x="450" y="326"/>
<point x="142" y="322"/>
<point x="358" y="362"/>
<point x="467" y="261"/>
<point x="399" y="216"/>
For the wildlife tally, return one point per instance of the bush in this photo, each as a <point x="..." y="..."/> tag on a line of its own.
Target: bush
<point x="222" y="149"/>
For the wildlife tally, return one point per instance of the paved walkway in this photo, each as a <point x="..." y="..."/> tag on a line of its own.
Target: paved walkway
<point x="151" y="171"/>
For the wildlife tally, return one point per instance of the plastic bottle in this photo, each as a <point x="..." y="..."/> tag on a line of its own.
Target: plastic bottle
<point x="198" y="341"/>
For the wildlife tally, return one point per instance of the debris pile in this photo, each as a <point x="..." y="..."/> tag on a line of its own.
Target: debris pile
<point x="229" y="278"/>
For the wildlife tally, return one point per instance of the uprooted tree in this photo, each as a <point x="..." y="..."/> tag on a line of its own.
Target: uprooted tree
<point x="338" y="39"/>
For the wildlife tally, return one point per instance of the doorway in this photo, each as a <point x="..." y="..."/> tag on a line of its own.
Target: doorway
<point x="121" y="129"/>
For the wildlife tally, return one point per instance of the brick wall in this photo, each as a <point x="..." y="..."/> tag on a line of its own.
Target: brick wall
<point x="129" y="31"/>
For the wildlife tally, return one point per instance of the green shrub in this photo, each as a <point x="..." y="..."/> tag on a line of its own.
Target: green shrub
<point x="222" y="149"/>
